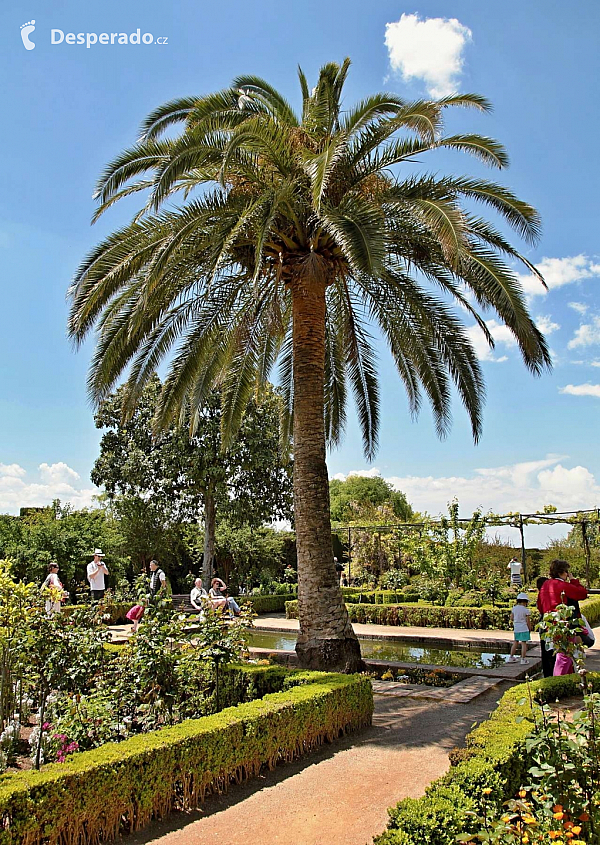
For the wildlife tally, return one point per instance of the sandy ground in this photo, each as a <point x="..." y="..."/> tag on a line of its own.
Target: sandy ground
<point x="340" y="794"/>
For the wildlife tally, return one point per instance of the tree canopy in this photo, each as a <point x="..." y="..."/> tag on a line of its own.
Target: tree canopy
<point x="361" y="498"/>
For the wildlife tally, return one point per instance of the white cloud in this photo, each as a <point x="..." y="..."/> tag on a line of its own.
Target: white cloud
<point x="430" y="49"/>
<point x="523" y="487"/>
<point x="58" y="473"/>
<point x="558" y="272"/>
<point x="502" y="336"/>
<point x="54" y="481"/>
<point x="365" y="473"/>
<point x="588" y="334"/>
<point x="546" y="325"/>
<point x="580" y="307"/>
<point x="12" y="470"/>
<point x="581" y="390"/>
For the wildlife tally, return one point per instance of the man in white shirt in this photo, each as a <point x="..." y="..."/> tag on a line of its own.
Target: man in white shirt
<point x="516" y="578"/>
<point x="96" y="570"/>
<point x="198" y="596"/>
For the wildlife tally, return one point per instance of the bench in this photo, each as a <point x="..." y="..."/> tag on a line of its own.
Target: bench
<point x="181" y="601"/>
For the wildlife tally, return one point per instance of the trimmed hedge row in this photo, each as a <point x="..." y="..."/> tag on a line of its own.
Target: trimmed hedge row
<point x="494" y="758"/>
<point x="118" y="788"/>
<point x="115" y="612"/>
<point x="267" y="604"/>
<point x="352" y="595"/>
<point x="430" y="616"/>
<point x="423" y="615"/>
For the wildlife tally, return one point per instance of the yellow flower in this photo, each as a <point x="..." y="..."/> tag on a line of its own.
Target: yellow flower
<point x="525" y="838"/>
<point x="576" y="829"/>
<point x="505" y="819"/>
<point x="529" y="819"/>
<point x="522" y="793"/>
<point x="559" y="815"/>
<point x="486" y="791"/>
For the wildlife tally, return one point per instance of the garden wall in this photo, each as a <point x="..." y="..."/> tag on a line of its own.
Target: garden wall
<point x="119" y="788"/>
<point x="494" y="758"/>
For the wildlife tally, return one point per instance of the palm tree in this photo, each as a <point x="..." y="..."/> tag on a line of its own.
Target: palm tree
<point x="294" y="237"/>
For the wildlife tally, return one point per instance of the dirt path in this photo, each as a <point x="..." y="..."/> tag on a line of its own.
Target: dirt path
<point x="340" y="794"/>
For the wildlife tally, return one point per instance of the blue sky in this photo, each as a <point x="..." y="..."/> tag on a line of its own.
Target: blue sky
<point x="68" y="109"/>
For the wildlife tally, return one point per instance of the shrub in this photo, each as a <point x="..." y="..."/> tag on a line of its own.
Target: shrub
<point x="267" y="604"/>
<point x="96" y="795"/>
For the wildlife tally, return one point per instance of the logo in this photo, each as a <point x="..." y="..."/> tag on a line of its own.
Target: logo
<point x="26" y="30"/>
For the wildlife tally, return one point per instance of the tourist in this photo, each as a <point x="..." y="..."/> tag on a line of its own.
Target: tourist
<point x="555" y="590"/>
<point x="158" y="579"/>
<point x="217" y="594"/>
<point x="53" y="588"/>
<point x="516" y="570"/>
<point x="521" y="619"/>
<point x="198" y="597"/>
<point x="135" y="615"/>
<point x="339" y="568"/>
<point x="96" y="570"/>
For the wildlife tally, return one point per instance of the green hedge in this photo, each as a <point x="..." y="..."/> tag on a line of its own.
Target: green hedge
<point x="494" y="757"/>
<point x="430" y="616"/>
<point x="351" y="594"/>
<point x="115" y="612"/>
<point x="119" y="788"/>
<point x="427" y="616"/>
<point x="267" y="604"/>
<point x="591" y="609"/>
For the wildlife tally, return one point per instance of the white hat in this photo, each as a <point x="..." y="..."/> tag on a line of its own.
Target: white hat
<point x="99" y="553"/>
<point x="522" y="597"/>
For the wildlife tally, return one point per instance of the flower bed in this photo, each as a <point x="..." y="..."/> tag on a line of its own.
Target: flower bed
<point x="494" y="760"/>
<point x="119" y="788"/>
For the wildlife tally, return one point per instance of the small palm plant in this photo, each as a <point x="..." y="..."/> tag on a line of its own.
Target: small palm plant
<point x="295" y="238"/>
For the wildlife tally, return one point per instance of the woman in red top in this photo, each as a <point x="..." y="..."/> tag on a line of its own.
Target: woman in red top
<point x="557" y="590"/>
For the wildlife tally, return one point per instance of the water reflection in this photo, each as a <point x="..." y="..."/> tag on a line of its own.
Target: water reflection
<point x="402" y="652"/>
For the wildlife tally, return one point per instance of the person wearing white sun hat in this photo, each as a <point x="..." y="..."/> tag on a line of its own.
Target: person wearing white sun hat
<point x="521" y="618"/>
<point x="96" y="570"/>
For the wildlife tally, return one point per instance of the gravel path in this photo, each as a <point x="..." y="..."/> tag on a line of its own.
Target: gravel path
<point x="340" y="794"/>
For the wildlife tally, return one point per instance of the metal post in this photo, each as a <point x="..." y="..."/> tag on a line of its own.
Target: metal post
<point x="349" y="556"/>
<point x="523" y="563"/>
<point x="586" y="551"/>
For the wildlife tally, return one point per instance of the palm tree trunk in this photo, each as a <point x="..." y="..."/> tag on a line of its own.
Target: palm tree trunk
<point x="210" y="521"/>
<point x="326" y="639"/>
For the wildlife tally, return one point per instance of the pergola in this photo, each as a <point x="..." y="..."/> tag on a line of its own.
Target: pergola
<point x="582" y="518"/>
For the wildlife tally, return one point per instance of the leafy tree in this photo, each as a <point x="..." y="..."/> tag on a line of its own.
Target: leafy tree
<point x="170" y="478"/>
<point x="243" y="553"/>
<point x="63" y="534"/>
<point x="362" y="497"/>
<point x="294" y="234"/>
<point x="445" y="549"/>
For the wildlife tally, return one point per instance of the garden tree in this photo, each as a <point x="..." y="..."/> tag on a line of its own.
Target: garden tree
<point x="63" y="534"/>
<point x="367" y="498"/>
<point x="245" y="554"/>
<point x="169" y="478"/>
<point x="147" y="530"/>
<point x="444" y="550"/>
<point x="293" y="236"/>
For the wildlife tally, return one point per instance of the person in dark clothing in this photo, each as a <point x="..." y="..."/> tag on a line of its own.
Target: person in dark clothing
<point x="158" y="579"/>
